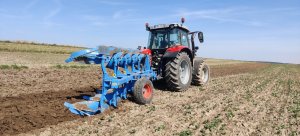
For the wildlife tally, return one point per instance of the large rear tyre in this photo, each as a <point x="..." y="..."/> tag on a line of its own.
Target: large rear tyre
<point x="178" y="72"/>
<point x="201" y="73"/>
<point x="143" y="91"/>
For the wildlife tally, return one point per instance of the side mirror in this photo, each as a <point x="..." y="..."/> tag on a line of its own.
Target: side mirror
<point x="200" y="37"/>
<point x="196" y="48"/>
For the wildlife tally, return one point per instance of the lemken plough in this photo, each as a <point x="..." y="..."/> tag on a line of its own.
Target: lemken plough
<point x="135" y="78"/>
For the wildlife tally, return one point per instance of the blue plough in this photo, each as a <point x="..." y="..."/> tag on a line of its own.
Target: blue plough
<point x="135" y="66"/>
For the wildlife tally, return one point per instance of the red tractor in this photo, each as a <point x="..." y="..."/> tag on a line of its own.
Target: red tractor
<point x="173" y="52"/>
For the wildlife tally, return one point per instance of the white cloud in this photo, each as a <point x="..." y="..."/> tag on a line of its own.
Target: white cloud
<point x="233" y="15"/>
<point x="117" y="15"/>
<point x="92" y="17"/>
<point x="251" y="16"/>
<point x="54" y="11"/>
<point x="12" y="16"/>
<point x="95" y="20"/>
<point x="30" y="5"/>
<point x="99" y="23"/>
<point x="22" y="14"/>
<point x="113" y="2"/>
<point x="48" y="18"/>
<point x="123" y="14"/>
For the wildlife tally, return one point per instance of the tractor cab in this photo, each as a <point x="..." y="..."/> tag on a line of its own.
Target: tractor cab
<point x="164" y="36"/>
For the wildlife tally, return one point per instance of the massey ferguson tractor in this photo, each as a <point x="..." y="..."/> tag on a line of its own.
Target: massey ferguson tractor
<point x="173" y="52"/>
<point x="170" y="56"/>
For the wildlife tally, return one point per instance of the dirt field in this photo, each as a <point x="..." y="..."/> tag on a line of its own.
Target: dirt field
<point x="37" y="80"/>
<point x="249" y="100"/>
<point x="242" y="99"/>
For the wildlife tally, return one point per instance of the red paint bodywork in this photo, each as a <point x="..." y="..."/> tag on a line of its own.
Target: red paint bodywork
<point x="147" y="51"/>
<point x="177" y="48"/>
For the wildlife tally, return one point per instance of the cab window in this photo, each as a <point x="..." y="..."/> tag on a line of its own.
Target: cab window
<point x="165" y="38"/>
<point x="184" y="38"/>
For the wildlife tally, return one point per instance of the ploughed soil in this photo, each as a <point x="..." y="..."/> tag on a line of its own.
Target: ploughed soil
<point x="40" y="80"/>
<point x="32" y="99"/>
<point x="30" y="111"/>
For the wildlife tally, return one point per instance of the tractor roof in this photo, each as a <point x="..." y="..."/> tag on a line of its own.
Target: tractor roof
<point x="162" y="26"/>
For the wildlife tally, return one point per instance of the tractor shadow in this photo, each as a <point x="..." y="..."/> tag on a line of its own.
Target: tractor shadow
<point x="161" y="85"/>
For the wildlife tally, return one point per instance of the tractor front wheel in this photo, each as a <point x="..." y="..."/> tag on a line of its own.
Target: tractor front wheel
<point x="201" y="73"/>
<point x="143" y="91"/>
<point x="178" y="72"/>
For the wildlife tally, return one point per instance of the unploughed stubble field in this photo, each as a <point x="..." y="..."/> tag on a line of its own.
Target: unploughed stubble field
<point x="244" y="98"/>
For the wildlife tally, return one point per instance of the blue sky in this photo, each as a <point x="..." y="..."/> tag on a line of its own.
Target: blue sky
<point x="264" y="30"/>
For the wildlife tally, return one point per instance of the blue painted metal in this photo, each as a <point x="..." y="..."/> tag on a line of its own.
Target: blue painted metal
<point x="116" y="87"/>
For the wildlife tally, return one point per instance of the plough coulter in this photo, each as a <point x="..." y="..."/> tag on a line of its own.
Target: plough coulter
<point x="170" y="55"/>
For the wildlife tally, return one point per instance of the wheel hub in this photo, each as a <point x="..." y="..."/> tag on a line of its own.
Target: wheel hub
<point x="205" y="75"/>
<point x="147" y="91"/>
<point x="184" y="72"/>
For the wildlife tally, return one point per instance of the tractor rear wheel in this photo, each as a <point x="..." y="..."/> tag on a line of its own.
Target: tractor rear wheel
<point x="178" y="72"/>
<point x="143" y="91"/>
<point x="201" y="73"/>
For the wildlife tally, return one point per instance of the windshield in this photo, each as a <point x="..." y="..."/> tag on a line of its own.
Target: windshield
<point x="163" y="38"/>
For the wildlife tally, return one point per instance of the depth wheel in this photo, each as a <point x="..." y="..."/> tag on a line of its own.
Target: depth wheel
<point x="178" y="72"/>
<point x="143" y="91"/>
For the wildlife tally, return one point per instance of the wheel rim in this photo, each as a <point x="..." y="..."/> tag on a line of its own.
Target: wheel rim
<point x="184" y="72"/>
<point x="147" y="91"/>
<point x="205" y="75"/>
